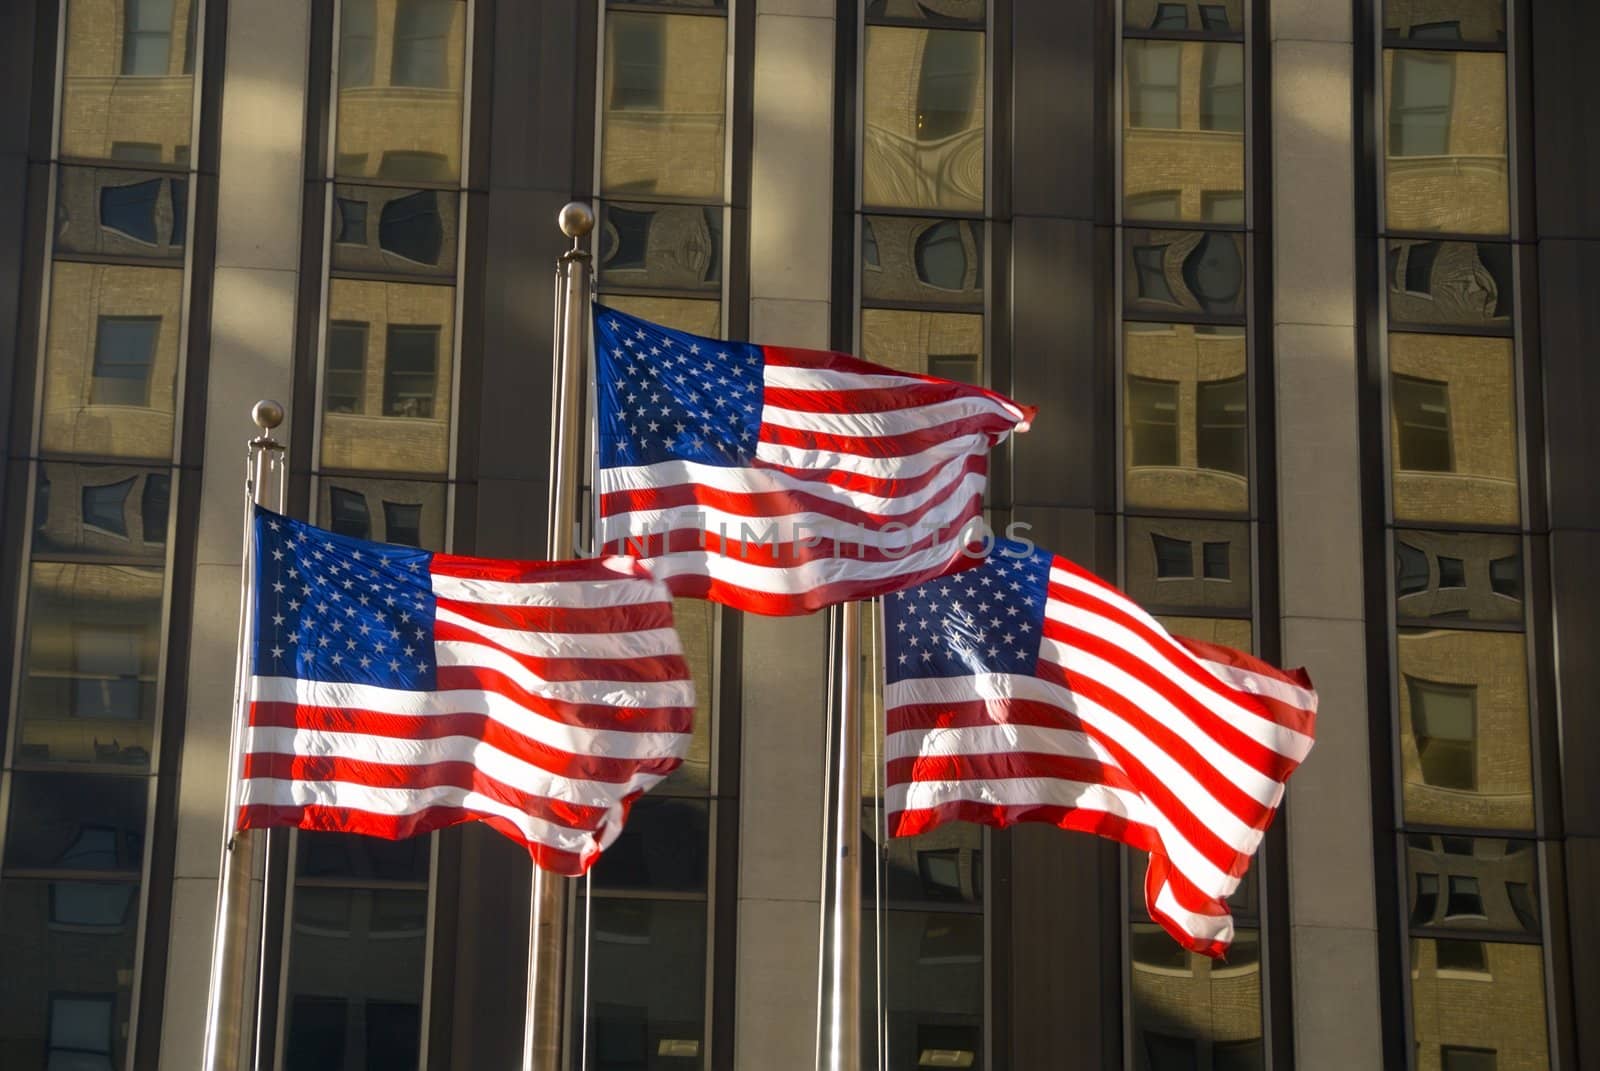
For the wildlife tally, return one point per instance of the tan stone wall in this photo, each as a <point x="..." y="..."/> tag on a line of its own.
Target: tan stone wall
<point x="80" y="294"/>
<point x="101" y="106"/>
<point x="1482" y="488"/>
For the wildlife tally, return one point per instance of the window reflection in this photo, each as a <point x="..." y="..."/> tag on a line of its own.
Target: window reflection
<point x="696" y="622"/>
<point x="111" y="512"/>
<point x="646" y="971"/>
<point x="399" y="93"/>
<point x="662" y="246"/>
<point x="1445" y="131"/>
<point x="697" y="317"/>
<point x="1482" y="21"/>
<point x="906" y="259"/>
<point x="924" y="116"/>
<point x="1454" y="981"/>
<point x="1467" y="284"/>
<point x="1183" y="138"/>
<point x="1188" y="565"/>
<point x="1227" y="631"/>
<point x="1184" y="16"/>
<point x="1193" y="272"/>
<point x="1186" y="417"/>
<point x="111" y="360"/>
<point x="408" y="512"/>
<point x="665" y="100"/>
<point x="946" y="344"/>
<point x="1470" y="576"/>
<point x="1453" y="428"/>
<point x="663" y="848"/>
<point x="933" y="11"/>
<point x="128" y="86"/>
<point x="387" y="401"/>
<point x="1464" y="729"/>
<point x="400" y="231"/>
<point x="121" y="213"/>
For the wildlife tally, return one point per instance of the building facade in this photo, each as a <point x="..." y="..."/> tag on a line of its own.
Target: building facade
<point x="1300" y="287"/>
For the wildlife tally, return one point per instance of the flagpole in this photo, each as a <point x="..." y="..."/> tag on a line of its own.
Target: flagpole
<point x="547" y="915"/>
<point x="839" y="992"/>
<point x="235" y="949"/>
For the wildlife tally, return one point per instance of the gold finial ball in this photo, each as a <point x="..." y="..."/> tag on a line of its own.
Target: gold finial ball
<point x="576" y="219"/>
<point x="267" y="414"/>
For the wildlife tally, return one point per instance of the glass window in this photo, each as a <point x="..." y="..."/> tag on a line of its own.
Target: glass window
<point x="646" y="972"/>
<point x="668" y="247"/>
<point x="696" y="622"/>
<point x="407" y="129"/>
<point x="1170" y="17"/>
<point x="358" y="35"/>
<point x="665" y="97"/>
<point x="406" y="427"/>
<point x="1410" y="569"/>
<point x="921" y="341"/>
<point x="1474" y="883"/>
<point x="1479" y="21"/>
<point x="1466" y="284"/>
<point x="410" y="228"/>
<point x="124" y="356"/>
<point x="1454" y="429"/>
<point x="1456" y="1058"/>
<point x="1183" y="137"/>
<point x="696" y="317"/>
<point x="1222" y="432"/>
<point x="1216" y="18"/>
<point x="924" y="101"/>
<point x="1227" y="631"/>
<point x="1443" y="175"/>
<point x="939" y="11"/>
<point x="76" y="822"/>
<point x="410" y="512"/>
<point x="911" y="259"/>
<point x="1153" y="421"/>
<point x="1149" y="261"/>
<point x="112" y="342"/>
<point x="178" y="197"/>
<point x="131" y="209"/>
<point x="352" y="226"/>
<point x="146" y="36"/>
<point x="1188" y="565"/>
<point x="66" y="1001"/>
<point x="120" y="212"/>
<point x="1452" y="984"/>
<point x="105" y="506"/>
<point x="93" y="656"/>
<point x="1186" y="1006"/>
<point x="415" y="229"/>
<point x="663" y="848"/>
<point x="1197" y="272"/>
<point x="1465" y="901"/>
<point x="1464" y="728"/>
<point x="155" y="504"/>
<point x="422" y="42"/>
<point x="345" y="377"/>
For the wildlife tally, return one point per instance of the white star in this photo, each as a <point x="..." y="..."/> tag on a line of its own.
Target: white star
<point x="422" y="667"/>
<point x="277" y="619"/>
<point x="277" y="555"/>
<point x="337" y="658"/>
<point x="273" y="525"/>
<point x="322" y="641"/>
<point x="393" y="665"/>
<point x="277" y="652"/>
<point x="294" y="604"/>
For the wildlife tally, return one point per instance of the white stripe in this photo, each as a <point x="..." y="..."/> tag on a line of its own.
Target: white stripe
<point x="940" y="741"/>
<point x="640" y="643"/>
<point x="570" y="594"/>
<point x="792" y="378"/>
<point x="603" y="743"/>
<point x="756" y="481"/>
<point x="605" y="693"/>
<point x="889" y="423"/>
<point x="490" y="761"/>
<point x="399" y="802"/>
<point x="884" y="468"/>
<point x="1206" y="928"/>
<point x="1263" y="684"/>
<point x="1017" y="792"/>
<point x="785" y="528"/>
<point x="797" y="579"/>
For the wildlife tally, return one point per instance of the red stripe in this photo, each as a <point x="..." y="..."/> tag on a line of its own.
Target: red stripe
<point x="588" y="620"/>
<point x="879" y="486"/>
<point x="1171" y="739"/>
<point x="977" y="713"/>
<point x="399" y="827"/>
<point x="651" y="670"/>
<point x="868" y="399"/>
<point x="763" y="504"/>
<point x="691" y="586"/>
<point x="787" y="357"/>
<point x="468" y="726"/>
<point x="532" y="572"/>
<point x="900" y="444"/>
<point x="1161" y="872"/>
<point x="1006" y="766"/>
<point x="1287" y="714"/>
<point x="790" y="552"/>
<point x="910" y="823"/>
<point x="586" y="715"/>
<point x="462" y="775"/>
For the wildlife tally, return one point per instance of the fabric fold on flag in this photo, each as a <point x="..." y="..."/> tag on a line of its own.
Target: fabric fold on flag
<point x="395" y="691"/>
<point x="1029" y="690"/>
<point x="781" y="481"/>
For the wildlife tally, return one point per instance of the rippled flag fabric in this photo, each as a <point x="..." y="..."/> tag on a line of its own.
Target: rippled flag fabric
<point x="1029" y="690"/>
<point x="781" y="480"/>
<point x="394" y="691"/>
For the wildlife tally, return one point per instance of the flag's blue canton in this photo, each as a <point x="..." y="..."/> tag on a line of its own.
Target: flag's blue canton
<point x="985" y="620"/>
<point x="667" y="395"/>
<point x="332" y="608"/>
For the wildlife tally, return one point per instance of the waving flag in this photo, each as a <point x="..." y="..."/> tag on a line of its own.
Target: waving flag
<point x="395" y="691"/>
<point x="1028" y="690"/>
<point x="781" y="480"/>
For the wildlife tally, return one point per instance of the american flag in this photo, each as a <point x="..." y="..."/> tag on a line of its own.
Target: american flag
<point x="781" y="480"/>
<point x="395" y="691"/>
<point x="1029" y="690"/>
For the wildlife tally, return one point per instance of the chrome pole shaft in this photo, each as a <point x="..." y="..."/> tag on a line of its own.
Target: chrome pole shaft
<point x="547" y="915"/>
<point x="839" y="1002"/>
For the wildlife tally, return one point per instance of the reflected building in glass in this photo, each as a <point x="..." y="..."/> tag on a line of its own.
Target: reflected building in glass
<point x="1300" y="289"/>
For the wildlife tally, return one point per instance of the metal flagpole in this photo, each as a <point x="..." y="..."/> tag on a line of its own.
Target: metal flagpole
<point x="839" y="994"/>
<point x="236" y="947"/>
<point x="547" y="915"/>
